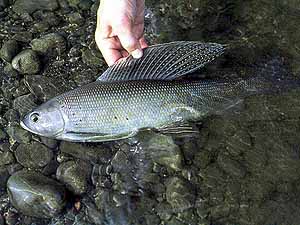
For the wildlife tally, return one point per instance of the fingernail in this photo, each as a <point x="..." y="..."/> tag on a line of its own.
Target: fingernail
<point x="138" y="53"/>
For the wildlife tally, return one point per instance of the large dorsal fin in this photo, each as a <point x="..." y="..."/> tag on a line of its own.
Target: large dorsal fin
<point x="164" y="61"/>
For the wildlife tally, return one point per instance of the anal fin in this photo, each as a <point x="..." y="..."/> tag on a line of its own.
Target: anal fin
<point x="180" y="129"/>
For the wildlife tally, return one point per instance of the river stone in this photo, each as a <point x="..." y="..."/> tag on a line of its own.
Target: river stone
<point x="26" y="62"/>
<point x="162" y="150"/>
<point x="75" y="175"/>
<point x="45" y="88"/>
<point x="25" y="6"/>
<point x="4" y="175"/>
<point x="9" y="50"/>
<point x="18" y="134"/>
<point x="92" y="154"/>
<point x="35" y="194"/>
<point x="52" y="41"/>
<point x="24" y="104"/>
<point x="3" y="4"/>
<point x="3" y="135"/>
<point x="1" y="220"/>
<point x="180" y="194"/>
<point x="6" y="157"/>
<point x="33" y="155"/>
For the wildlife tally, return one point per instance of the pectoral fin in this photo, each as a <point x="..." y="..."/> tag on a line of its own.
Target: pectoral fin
<point x="179" y="129"/>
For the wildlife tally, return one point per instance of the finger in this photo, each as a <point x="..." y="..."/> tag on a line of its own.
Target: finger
<point x="129" y="42"/>
<point x="110" y="51"/>
<point x="143" y="42"/>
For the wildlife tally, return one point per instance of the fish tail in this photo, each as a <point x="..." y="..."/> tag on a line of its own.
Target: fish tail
<point x="271" y="77"/>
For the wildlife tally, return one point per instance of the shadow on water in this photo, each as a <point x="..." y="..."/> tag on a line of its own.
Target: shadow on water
<point x="242" y="168"/>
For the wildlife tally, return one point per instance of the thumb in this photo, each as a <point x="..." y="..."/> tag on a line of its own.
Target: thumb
<point x="130" y="43"/>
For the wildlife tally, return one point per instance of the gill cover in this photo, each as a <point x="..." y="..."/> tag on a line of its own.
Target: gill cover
<point x="46" y="120"/>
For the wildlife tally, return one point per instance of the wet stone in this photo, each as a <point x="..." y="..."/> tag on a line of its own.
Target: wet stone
<point x="1" y="220"/>
<point x="4" y="175"/>
<point x="18" y="134"/>
<point x="76" y="18"/>
<point x="6" y="157"/>
<point x="9" y="50"/>
<point x="36" y="195"/>
<point x="95" y="154"/>
<point x="3" y="135"/>
<point x="180" y="194"/>
<point x="12" y="116"/>
<point x="26" y="62"/>
<point x="24" y="6"/>
<point x="90" y="59"/>
<point x="163" y="151"/>
<point x="24" y="104"/>
<point x="10" y="71"/>
<point x="45" y="88"/>
<point x="49" y="42"/>
<point x="50" y="143"/>
<point x="33" y="155"/>
<point x="24" y="37"/>
<point x="75" y="175"/>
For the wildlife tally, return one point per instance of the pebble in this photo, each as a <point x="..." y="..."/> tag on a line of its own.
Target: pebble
<point x="75" y="175"/>
<point x="33" y="155"/>
<point x="179" y="194"/>
<point x="49" y="42"/>
<point x="9" y="50"/>
<point x="26" y="62"/>
<point x="35" y="194"/>
<point x="24" y="6"/>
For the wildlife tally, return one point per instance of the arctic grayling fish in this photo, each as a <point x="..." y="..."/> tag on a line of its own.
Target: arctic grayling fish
<point x="141" y="93"/>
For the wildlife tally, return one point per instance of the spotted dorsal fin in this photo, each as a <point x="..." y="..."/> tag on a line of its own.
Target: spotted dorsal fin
<point x="164" y="61"/>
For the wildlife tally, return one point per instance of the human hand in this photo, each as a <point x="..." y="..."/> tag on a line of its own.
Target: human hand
<point x="120" y="27"/>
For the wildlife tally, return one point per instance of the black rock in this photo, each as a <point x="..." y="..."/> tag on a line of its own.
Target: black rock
<point x="24" y="6"/>
<point x="75" y="175"/>
<point x="33" y="155"/>
<point x="52" y="41"/>
<point x="26" y="62"/>
<point x="9" y="50"/>
<point x="36" y="195"/>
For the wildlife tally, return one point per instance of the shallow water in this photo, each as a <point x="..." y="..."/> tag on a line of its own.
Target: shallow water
<point x="242" y="168"/>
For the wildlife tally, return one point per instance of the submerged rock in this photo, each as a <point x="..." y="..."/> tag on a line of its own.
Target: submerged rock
<point x="9" y="50"/>
<point x="26" y="62"/>
<point x="24" y="6"/>
<point x="75" y="175"/>
<point x="36" y="195"/>
<point x="162" y="150"/>
<point x="6" y="157"/>
<point x="33" y="155"/>
<point x="180" y="194"/>
<point x="52" y="41"/>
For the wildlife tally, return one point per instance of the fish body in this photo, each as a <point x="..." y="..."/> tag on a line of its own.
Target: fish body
<point x="141" y="94"/>
<point x="105" y="111"/>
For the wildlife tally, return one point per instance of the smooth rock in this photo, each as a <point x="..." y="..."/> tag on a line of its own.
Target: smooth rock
<point x="49" y="42"/>
<point x="4" y="175"/>
<point x="6" y="157"/>
<point x="75" y="175"/>
<point x="24" y="104"/>
<point x="26" y="62"/>
<point x="1" y="220"/>
<point x="180" y="194"/>
<point x="76" y="18"/>
<point x="33" y="155"/>
<point x="3" y="135"/>
<point x="36" y="195"/>
<point x="24" y="6"/>
<point x="90" y="59"/>
<point x="50" y="143"/>
<point x="45" y="88"/>
<point x="162" y="150"/>
<point x="18" y="134"/>
<point x="93" y="154"/>
<point x="9" y="50"/>
<point x="3" y="4"/>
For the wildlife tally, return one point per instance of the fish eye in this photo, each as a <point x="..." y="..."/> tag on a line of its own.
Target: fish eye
<point x="34" y="117"/>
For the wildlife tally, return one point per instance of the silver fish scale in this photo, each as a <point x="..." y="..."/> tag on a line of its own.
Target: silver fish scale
<point x="120" y="107"/>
